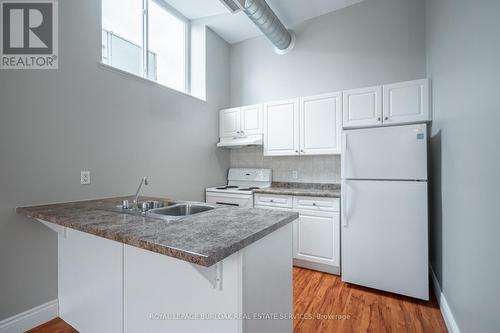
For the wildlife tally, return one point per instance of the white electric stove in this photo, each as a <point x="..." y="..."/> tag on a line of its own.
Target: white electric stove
<point x="240" y="186"/>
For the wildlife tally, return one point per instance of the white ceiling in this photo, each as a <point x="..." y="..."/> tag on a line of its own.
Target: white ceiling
<point x="237" y="27"/>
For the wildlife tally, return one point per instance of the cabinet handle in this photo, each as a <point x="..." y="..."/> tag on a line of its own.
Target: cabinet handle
<point x="271" y="200"/>
<point x="379" y="119"/>
<point x="386" y="118"/>
<point x="227" y="204"/>
<point x="302" y="151"/>
<point x="314" y="204"/>
<point x="297" y="151"/>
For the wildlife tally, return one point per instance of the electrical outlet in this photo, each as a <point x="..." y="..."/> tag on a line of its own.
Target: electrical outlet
<point x="295" y="174"/>
<point x="85" y="178"/>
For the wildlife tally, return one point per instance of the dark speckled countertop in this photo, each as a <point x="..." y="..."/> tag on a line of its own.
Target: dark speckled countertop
<point x="203" y="239"/>
<point x="303" y="189"/>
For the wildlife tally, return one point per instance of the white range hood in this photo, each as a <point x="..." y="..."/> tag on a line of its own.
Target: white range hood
<point x="239" y="142"/>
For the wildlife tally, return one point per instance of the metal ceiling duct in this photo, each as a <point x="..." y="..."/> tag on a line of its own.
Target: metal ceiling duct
<point x="267" y="21"/>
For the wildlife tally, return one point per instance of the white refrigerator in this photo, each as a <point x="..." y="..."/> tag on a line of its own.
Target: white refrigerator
<point x="384" y="209"/>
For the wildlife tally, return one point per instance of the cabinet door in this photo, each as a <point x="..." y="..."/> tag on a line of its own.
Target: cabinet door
<point x="362" y="107"/>
<point x="406" y="102"/>
<point x="317" y="237"/>
<point x="159" y="285"/>
<point x="229" y="122"/>
<point x="251" y="120"/>
<point x="90" y="282"/>
<point x="281" y="128"/>
<point x="320" y="124"/>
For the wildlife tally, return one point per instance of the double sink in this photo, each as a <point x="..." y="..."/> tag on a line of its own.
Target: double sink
<point x="179" y="210"/>
<point x="167" y="210"/>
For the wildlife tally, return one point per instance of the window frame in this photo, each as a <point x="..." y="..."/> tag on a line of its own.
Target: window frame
<point x="145" y="45"/>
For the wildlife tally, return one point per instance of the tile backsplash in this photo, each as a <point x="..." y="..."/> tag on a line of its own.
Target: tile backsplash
<point x="306" y="169"/>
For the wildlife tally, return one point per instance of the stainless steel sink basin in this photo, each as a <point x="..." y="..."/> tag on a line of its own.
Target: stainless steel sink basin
<point x="180" y="210"/>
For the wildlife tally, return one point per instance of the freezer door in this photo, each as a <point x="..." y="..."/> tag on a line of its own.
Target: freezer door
<point x="384" y="236"/>
<point x="398" y="152"/>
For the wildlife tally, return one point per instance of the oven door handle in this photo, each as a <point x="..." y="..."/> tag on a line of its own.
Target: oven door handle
<point x="227" y="204"/>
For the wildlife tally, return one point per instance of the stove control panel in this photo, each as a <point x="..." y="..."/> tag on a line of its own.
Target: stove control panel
<point x="261" y="175"/>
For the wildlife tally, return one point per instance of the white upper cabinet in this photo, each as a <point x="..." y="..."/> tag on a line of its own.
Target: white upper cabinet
<point x="362" y="107"/>
<point x="229" y="122"/>
<point x="281" y="128"/>
<point x="406" y="102"/>
<point x="303" y="126"/>
<point x="251" y="119"/>
<point x="312" y="125"/>
<point x="320" y="124"/>
<point x="391" y="104"/>
<point x="240" y="122"/>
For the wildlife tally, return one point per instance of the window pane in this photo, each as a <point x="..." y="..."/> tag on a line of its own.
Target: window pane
<point x="122" y="34"/>
<point x="126" y="55"/>
<point x="167" y="41"/>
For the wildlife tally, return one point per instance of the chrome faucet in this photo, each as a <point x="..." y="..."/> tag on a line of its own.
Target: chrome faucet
<point x="144" y="181"/>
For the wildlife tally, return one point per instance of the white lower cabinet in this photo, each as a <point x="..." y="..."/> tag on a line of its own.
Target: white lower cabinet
<point x="316" y="233"/>
<point x="316" y="237"/>
<point x="105" y="286"/>
<point x="90" y="281"/>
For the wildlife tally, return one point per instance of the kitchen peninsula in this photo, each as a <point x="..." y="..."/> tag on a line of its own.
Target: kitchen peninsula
<point x="215" y="271"/>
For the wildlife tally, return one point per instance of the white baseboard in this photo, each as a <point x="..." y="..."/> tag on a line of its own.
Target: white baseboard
<point x="449" y="320"/>
<point x="317" y="267"/>
<point x="29" y="319"/>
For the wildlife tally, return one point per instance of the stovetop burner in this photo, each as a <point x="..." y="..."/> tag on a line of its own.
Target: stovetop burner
<point x="249" y="188"/>
<point x="226" y="187"/>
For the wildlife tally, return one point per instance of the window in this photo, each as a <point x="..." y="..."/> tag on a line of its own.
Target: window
<point x="129" y="27"/>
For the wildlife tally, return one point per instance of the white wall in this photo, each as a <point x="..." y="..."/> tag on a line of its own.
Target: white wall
<point x="370" y="43"/>
<point x="463" y="44"/>
<point x="82" y="117"/>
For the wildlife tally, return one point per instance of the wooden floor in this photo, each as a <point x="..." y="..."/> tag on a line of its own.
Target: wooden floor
<point x="54" y="326"/>
<point x="360" y="309"/>
<point x="341" y="308"/>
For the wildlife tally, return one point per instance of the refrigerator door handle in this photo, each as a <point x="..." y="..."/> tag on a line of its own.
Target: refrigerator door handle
<point x="343" y="157"/>
<point x="343" y="199"/>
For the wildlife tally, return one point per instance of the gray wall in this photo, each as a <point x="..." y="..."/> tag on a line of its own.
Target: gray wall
<point x="370" y="43"/>
<point x="310" y="169"/>
<point x="55" y="123"/>
<point x="463" y="44"/>
<point x="373" y="42"/>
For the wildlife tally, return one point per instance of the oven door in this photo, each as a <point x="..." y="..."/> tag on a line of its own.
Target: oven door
<point x="229" y="199"/>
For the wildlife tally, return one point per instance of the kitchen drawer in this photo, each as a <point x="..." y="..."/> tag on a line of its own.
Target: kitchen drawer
<point x="274" y="208"/>
<point x="272" y="200"/>
<point x="316" y="203"/>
